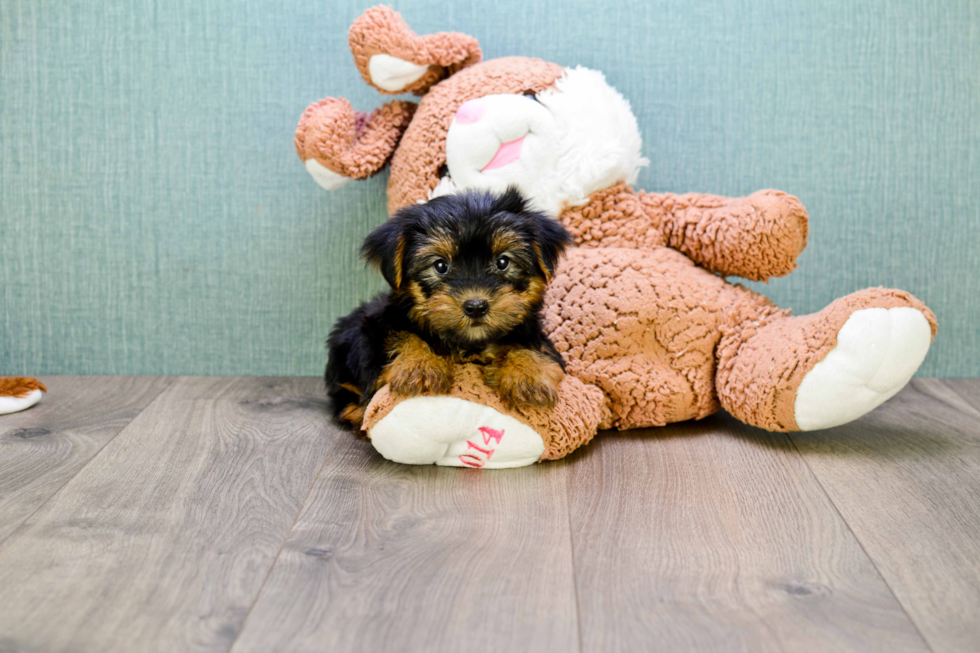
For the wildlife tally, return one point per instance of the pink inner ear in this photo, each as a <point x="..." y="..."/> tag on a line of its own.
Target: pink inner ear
<point x="506" y="153"/>
<point x="471" y="111"/>
<point x="360" y="119"/>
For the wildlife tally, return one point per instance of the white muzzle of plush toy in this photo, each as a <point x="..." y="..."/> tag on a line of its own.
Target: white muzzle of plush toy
<point x="501" y="140"/>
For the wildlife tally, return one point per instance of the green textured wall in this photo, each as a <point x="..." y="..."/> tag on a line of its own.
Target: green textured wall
<point x="155" y="219"/>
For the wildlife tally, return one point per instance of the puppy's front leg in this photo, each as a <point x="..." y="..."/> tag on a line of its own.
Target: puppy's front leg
<point x="525" y="378"/>
<point x="415" y="369"/>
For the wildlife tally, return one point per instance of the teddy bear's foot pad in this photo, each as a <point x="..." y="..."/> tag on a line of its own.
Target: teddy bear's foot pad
<point x="16" y="404"/>
<point x="454" y="432"/>
<point x="877" y="352"/>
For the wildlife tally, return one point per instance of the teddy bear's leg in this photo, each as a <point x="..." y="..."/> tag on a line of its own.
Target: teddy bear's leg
<point x="471" y="427"/>
<point x="454" y="432"/>
<point x="785" y="373"/>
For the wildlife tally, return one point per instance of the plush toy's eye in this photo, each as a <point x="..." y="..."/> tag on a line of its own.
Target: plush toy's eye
<point x="441" y="266"/>
<point x="502" y="263"/>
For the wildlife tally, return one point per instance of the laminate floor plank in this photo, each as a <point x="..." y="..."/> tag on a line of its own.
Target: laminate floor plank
<point x="906" y="478"/>
<point x="42" y="447"/>
<point x="208" y="514"/>
<point x="390" y="557"/>
<point x="695" y="537"/>
<point x="163" y="541"/>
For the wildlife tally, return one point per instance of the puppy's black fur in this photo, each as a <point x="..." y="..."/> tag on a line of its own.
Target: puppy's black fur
<point x="467" y="275"/>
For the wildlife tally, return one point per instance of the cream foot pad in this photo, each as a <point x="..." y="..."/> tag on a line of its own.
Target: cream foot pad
<point x="877" y="352"/>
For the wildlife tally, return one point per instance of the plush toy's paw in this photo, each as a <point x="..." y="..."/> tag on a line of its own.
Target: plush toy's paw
<point x="454" y="432"/>
<point x="525" y="379"/>
<point x="877" y="352"/>
<point x="19" y="393"/>
<point x="338" y="144"/>
<point x="325" y="130"/>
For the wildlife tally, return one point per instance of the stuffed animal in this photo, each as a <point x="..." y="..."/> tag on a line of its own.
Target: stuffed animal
<point x="650" y="329"/>
<point x="19" y="393"/>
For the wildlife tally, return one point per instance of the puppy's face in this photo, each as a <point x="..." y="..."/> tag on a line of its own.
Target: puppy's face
<point x="473" y="284"/>
<point x="473" y="266"/>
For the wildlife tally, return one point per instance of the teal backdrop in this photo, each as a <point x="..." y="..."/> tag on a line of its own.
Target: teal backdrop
<point x="155" y="218"/>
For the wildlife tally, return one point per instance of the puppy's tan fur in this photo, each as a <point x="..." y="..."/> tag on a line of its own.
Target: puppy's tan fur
<point x="524" y="377"/>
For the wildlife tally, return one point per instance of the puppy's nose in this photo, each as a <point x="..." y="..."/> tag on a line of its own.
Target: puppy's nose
<point x="476" y="307"/>
<point x="471" y="111"/>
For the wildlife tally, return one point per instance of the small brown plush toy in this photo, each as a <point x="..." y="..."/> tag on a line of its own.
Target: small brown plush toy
<point x="19" y="393"/>
<point x="651" y="331"/>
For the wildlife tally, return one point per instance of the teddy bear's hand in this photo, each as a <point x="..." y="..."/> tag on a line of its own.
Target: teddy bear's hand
<point x="525" y="378"/>
<point x="416" y="369"/>
<point x="338" y="144"/>
<point x="756" y="237"/>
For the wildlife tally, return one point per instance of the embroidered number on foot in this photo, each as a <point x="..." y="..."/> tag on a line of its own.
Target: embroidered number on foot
<point x="475" y="460"/>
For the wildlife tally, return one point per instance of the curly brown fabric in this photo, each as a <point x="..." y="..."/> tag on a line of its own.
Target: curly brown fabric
<point x="354" y="145"/>
<point x="382" y="30"/>
<point x="756" y="237"/>
<point x="642" y="326"/>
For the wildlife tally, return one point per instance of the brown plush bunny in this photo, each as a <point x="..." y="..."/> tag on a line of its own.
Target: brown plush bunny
<point x="651" y="331"/>
<point x="19" y="393"/>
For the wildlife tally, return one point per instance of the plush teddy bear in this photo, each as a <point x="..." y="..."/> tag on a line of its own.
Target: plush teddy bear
<point x="651" y="331"/>
<point x="19" y="393"/>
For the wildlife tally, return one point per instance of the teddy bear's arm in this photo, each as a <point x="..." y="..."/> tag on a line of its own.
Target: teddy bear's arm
<point x="350" y="144"/>
<point x="756" y="237"/>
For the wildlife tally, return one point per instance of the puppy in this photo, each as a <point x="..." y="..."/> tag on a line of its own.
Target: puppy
<point x="468" y="274"/>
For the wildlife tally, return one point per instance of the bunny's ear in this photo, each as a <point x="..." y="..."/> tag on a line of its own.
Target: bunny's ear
<point x="337" y="145"/>
<point x="394" y="59"/>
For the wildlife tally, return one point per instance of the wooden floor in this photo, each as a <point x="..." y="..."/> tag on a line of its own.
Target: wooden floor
<point x="228" y="514"/>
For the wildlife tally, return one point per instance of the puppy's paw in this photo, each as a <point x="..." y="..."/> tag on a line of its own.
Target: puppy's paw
<point x="525" y="379"/>
<point x="528" y="393"/>
<point x="411" y="378"/>
<point x="353" y="414"/>
<point x="416" y="369"/>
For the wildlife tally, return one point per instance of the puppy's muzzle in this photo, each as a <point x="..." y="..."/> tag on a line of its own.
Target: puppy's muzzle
<point x="476" y="308"/>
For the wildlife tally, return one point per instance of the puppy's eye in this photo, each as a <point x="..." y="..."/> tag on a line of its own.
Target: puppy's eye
<point x="502" y="263"/>
<point x="441" y="266"/>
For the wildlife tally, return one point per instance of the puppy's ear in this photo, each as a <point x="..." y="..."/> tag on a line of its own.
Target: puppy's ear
<point x="550" y="242"/>
<point x="384" y="248"/>
<point x="550" y="238"/>
<point x="510" y="201"/>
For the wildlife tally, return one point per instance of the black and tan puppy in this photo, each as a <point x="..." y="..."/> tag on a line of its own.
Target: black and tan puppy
<point x="468" y="274"/>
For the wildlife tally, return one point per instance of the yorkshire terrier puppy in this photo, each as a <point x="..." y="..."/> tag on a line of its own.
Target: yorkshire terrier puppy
<point x="468" y="274"/>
